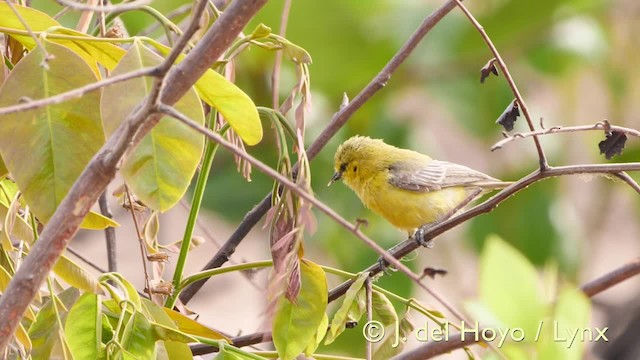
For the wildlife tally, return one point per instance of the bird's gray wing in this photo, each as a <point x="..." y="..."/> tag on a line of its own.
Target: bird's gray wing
<point x="435" y="175"/>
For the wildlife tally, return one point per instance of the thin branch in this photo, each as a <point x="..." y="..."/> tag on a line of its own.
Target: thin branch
<point x="409" y="245"/>
<point x="503" y="67"/>
<point x="109" y="234"/>
<point x="435" y="348"/>
<point x="275" y="76"/>
<point x="626" y="178"/>
<point x="128" y="6"/>
<point x="141" y="241"/>
<point x="85" y="260"/>
<point x="615" y="277"/>
<point x="28" y="28"/>
<point x="238" y="341"/>
<point x="66" y="220"/>
<point x="338" y="120"/>
<point x="565" y="129"/>
<point x="78" y="92"/>
<point x="308" y="197"/>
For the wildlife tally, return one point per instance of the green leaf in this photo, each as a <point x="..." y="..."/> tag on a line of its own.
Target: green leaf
<point x="95" y="221"/>
<point x="192" y="327"/>
<point x="570" y="322"/>
<point x="340" y="317"/>
<point x="228" y="352"/>
<point x="127" y="288"/>
<point x="139" y="338"/>
<point x="322" y="331"/>
<point x="161" y="332"/>
<point x="46" y="149"/>
<point x="83" y="328"/>
<point x="383" y="309"/>
<point x="237" y="107"/>
<point x="46" y="323"/>
<point x="74" y="275"/>
<point x="174" y="350"/>
<point x="160" y="168"/>
<point x="386" y="349"/>
<point x="294" y="325"/>
<point x="509" y="287"/>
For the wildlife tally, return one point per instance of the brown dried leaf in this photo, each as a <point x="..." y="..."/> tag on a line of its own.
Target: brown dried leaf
<point x="613" y="144"/>
<point x="488" y="69"/>
<point x="509" y="116"/>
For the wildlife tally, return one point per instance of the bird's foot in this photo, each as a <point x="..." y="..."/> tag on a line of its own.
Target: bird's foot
<point x="385" y="266"/>
<point x="420" y="237"/>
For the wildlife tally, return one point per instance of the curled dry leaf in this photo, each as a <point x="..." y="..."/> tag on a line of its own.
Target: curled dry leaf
<point x="488" y="69"/>
<point x="509" y="116"/>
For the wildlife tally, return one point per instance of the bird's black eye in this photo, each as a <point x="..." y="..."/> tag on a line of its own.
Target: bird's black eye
<point x="343" y="167"/>
<point x="355" y="168"/>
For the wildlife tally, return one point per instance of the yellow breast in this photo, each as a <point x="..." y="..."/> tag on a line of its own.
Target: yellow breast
<point x="408" y="210"/>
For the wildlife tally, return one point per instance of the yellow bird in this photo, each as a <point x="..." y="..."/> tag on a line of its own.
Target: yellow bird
<point x="405" y="187"/>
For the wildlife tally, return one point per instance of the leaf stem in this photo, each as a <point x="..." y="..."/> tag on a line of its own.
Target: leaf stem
<point x="196" y="203"/>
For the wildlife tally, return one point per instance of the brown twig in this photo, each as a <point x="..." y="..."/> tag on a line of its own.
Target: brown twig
<point x="101" y="169"/>
<point x="338" y="120"/>
<point x="612" y="278"/>
<point x="507" y="75"/>
<point x="78" y="92"/>
<point x="131" y="5"/>
<point x="141" y="240"/>
<point x="565" y="129"/>
<point x="626" y="178"/>
<point x="109" y="234"/>
<point x="435" y="348"/>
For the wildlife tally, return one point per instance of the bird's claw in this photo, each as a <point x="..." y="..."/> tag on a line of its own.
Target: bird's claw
<point x="419" y="237"/>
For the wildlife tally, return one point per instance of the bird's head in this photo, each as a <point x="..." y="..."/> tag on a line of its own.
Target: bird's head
<point x="357" y="159"/>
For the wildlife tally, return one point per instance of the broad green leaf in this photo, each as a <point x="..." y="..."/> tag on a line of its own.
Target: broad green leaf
<point x="358" y="307"/>
<point x="95" y="221"/>
<point x="192" y="327"/>
<point x="395" y="341"/>
<point x="383" y="309"/>
<point x="567" y="332"/>
<point x="237" y="107"/>
<point x="232" y="353"/>
<point x="165" y="333"/>
<point x="322" y="331"/>
<point x="83" y="328"/>
<point x="173" y="349"/>
<point x="139" y="339"/>
<point x="130" y="292"/>
<point x="340" y="317"/>
<point x="74" y="275"/>
<point x="295" y="325"/>
<point x="46" y="323"/>
<point x="509" y="287"/>
<point x="160" y="168"/>
<point x="46" y="149"/>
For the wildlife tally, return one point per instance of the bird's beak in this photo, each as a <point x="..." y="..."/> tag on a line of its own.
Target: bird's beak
<point x="336" y="176"/>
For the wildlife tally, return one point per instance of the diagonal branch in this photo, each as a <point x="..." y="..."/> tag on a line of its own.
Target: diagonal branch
<point x="503" y="67"/>
<point x="101" y="169"/>
<point x="338" y="120"/>
<point x="293" y="187"/>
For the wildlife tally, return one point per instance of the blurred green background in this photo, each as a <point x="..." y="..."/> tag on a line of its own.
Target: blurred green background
<point x="575" y="63"/>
